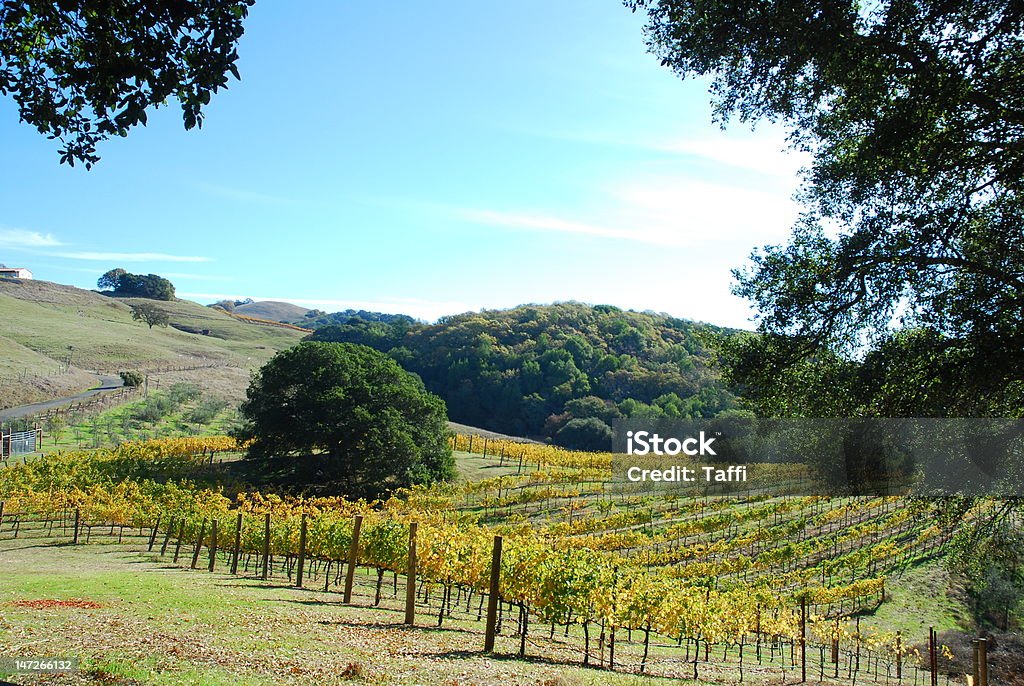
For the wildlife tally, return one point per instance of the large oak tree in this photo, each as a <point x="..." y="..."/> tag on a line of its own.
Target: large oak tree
<point x="912" y="242"/>
<point x="373" y="425"/>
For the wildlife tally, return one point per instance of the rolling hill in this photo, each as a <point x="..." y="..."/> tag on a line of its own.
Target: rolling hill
<point x="43" y="325"/>
<point x="532" y="369"/>
<point x="273" y="310"/>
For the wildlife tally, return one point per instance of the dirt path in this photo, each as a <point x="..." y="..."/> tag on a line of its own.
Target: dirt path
<point x="106" y="383"/>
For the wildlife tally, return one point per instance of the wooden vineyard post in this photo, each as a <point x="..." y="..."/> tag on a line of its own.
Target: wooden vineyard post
<point x="975" y="662"/>
<point x="2" y="513"/>
<point x="803" y="639"/>
<point x="238" y="544"/>
<point x="899" y="656"/>
<point x="933" y="662"/>
<point x="983" y="662"/>
<point x="266" y="546"/>
<point x="492" y="598"/>
<point x="167" y="537"/>
<point x="181" y="535"/>
<point x="78" y="519"/>
<point x="410" y="579"/>
<point x="302" y="552"/>
<point x="835" y="649"/>
<point x="213" y="545"/>
<point x="152" y="536"/>
<point x="353" y="559"/>
<point x="199" y="543"/>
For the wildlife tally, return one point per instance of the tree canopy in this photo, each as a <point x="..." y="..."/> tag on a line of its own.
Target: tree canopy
<point x="111" y="279"/>
<point x="126" y="284"/>
<point x="912" y="242"/>
<point x="585" y="434"/>
<point x="374" y="424"/>
<point x="534" y="368"/>
<point x="81" y="72"/>
<point x="150" y="314"/>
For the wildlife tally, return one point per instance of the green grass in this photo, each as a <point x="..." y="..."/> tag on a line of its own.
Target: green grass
<point x="922" y="597"/>
<point x="475" y="467"/>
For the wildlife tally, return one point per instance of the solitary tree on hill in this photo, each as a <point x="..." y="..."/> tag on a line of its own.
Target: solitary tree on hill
<point x="151" y="314"/>
<point x="125" y="284"/>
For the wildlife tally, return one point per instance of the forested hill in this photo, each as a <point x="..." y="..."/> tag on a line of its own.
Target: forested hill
<point x="534" y="369"/>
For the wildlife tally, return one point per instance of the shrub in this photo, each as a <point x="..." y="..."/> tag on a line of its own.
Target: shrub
<point x="132" y="378"/>
<point x="585" y="434"/>
<point x="206" y="411"/>
<point x="183" y="392"/>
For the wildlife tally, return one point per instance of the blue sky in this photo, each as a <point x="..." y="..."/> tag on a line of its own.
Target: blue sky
<point x="426" y="158"/>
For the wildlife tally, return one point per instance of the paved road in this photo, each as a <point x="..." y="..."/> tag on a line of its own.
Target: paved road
<point x="106" y="383"/>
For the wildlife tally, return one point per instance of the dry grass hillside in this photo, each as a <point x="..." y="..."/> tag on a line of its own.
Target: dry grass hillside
<point x="42" y="324"/>
<point x="273" y="310"/>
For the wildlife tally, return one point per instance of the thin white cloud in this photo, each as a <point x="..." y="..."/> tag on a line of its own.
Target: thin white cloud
<point x="22" y="238"/>
<point x="761" y="154"/>
<point x="131" y="257"/>
<point x="197" y="277"/>
<point x="664" y="211"/>
<point x="428" y="310"/>
<point x="765" y="152"/>
<point x="169" y="275"/>
<point x="540" y="222"/>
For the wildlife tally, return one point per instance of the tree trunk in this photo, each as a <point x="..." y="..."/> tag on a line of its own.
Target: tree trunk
<point x="380" y="580"/>
<point x="586" y="643"/>
<point x="647" y="648"/>
<point x="524" y="615"/>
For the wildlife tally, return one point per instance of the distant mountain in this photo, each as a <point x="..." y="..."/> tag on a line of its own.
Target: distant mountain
<point x="534" y="369"/>
<point x="278" y="311"/>
<point x="273" y="310"/>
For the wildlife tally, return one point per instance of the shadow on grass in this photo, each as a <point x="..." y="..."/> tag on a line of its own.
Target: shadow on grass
<point x="8" y="549"/>
<point x="397" y="625"/>
<point x="501" y="657"/>
<point x="307" y="475"/>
